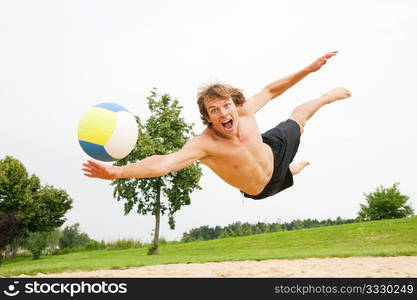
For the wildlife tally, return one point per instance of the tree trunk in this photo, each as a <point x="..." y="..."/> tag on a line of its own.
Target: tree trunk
<point x="155" y="244"/>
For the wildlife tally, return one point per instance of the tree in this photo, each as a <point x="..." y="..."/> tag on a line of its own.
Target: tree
<point x="385" y="203"/>
<point x="73" y="237"/>
<point x="164" y="132"/>
<point x="35" y="207"/>
<point x="37" y="242"/>
<point x="9" y="230"/>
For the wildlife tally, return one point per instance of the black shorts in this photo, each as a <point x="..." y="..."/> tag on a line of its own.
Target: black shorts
<point x="283" y="140"/>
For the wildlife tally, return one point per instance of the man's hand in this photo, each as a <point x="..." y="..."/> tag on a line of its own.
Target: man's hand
<point x="97" y="170"/>
<point x="318" y="63"/>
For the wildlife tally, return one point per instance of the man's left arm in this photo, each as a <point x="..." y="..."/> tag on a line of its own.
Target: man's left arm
<point x="278" y="87"/>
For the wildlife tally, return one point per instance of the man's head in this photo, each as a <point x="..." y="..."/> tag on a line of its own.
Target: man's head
<point x="218" y="106"/>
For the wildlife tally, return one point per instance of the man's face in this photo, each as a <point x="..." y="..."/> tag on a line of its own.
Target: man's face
<point x="223" y="115"/>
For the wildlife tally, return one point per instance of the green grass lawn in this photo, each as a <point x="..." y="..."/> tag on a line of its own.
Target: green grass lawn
<point x="377" y="238"/>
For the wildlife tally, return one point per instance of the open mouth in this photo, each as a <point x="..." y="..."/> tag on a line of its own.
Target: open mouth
<point x="228" y="124"/>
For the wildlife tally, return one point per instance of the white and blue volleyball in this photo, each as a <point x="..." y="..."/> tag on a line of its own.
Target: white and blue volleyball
<point x="107" y="132"/>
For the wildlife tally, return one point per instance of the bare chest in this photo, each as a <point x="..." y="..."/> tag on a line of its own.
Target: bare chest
<point x="234" y="154"/>
<point x="243" y="161"/>
<point x="241" y="156"/>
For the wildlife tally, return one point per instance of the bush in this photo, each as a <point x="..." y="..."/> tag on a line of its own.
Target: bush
<point x="67" y="250"/>
<point x="94" y="245"/>
<point x="124" y="244"/>
<point x="153" y="249"/>
<point x="385" y="203"/>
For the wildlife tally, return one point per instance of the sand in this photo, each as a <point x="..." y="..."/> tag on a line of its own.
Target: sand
<point x="371" y="267"/>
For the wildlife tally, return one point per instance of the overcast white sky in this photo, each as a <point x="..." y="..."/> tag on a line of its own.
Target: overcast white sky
<point x="58" y="58"/>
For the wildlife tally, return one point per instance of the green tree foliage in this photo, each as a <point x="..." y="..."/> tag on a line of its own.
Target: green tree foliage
<point x="36" y="207"/>
<point x="73" y="237"/>
<point x="37" y="242"/>
<point x="242" y="229"/>
<point x="40" y="208"/>
<point x="164" y="132"/>
<point x="385" y="203"/>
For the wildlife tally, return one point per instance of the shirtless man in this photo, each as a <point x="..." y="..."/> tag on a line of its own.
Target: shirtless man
<point x="231" y="145"/>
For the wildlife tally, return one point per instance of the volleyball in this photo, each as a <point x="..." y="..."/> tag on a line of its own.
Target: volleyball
<point x="107" y="132"/>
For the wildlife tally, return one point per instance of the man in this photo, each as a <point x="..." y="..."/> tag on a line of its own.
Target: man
<point x="231" y="145"/>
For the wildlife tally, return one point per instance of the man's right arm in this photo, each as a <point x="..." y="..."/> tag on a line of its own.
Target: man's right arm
<point x="152" y="166"/>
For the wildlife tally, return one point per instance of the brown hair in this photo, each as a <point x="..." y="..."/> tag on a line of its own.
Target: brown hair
<point x="217" y="90"/>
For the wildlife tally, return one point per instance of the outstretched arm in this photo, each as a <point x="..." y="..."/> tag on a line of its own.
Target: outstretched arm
<point x="278" y="87"/>
<point x="152" y="166"/>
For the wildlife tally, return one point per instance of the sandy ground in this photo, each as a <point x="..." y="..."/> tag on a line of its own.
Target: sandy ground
<point x="403" y="266"/>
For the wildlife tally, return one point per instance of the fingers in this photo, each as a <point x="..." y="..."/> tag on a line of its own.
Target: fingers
<point x="322" y="60"/>
<point x="94" y="164"/>
<point x="330" y="54"/>
<point x="89" y="172"/>
<point x="96" y="170"/>
<point x="318" y="63"/>
<point x="91" y="168"/>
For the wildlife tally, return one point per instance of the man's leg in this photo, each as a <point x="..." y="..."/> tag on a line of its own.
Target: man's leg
<point x="305" y="111"/>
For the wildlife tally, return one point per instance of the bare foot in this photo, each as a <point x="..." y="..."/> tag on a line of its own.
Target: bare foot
<point x="336" y="94"/>
<point x="296" y="168"/>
